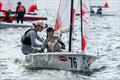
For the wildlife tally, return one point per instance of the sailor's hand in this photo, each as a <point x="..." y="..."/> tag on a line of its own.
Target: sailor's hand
<point x="41" y="50"/>
<point x="42" y="39"/>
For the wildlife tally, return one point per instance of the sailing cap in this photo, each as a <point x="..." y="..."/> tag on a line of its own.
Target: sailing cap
<point x="39" y="23"/>
<point x="50" y="29"/>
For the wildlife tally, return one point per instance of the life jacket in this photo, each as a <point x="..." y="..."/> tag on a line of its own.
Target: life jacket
<point x="53" y="46"/>
<point x="21" y="8"/>
<point x="26" y="40"/>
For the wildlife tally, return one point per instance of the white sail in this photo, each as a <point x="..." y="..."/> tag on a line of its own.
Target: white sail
<point x="62" y="21"/>
<point x="85" y="22"/>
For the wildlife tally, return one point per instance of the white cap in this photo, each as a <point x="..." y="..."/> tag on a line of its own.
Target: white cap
<point x="40" y="23"/>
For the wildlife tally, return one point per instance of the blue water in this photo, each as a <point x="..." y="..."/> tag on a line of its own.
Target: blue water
<point x="104" y="40"/>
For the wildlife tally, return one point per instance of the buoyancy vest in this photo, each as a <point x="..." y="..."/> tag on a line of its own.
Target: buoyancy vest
<point x="21" y="8"/>
<point x="26" y="40"/>
<point x="53" y="45"/>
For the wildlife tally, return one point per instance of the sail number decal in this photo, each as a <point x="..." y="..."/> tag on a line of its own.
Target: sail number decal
<point x="73" y="62"/>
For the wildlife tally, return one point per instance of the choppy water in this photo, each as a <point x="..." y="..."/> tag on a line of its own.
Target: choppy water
<point x="104" y="38"/>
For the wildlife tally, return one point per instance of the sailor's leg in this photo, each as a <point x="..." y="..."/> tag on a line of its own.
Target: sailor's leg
<point x="22" y="16"/>
<point x="17" y="19"/>
<point x="21" y="20"/>
<point x="26" y="49"/>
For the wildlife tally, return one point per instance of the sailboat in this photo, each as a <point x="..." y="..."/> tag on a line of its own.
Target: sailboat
<point x="11" y="5"/>
<point x="95" y="5"/>
<point x="104" y="5"/>
<point x="65" y="60"/>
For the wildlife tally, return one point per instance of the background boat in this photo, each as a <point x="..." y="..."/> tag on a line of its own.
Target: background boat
<point x="107" y="8"/>
<point x="28" y="17"/>
<point x="31" y="15"/>
<point x="4" y="25"/>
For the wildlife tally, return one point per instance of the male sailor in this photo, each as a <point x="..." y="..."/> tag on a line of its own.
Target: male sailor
<point x="52" y="43"/>
<point x="20" y="12"/>
<point x="29" y="44"/>
<point x="91" y="11"/>
<point x="99" y="11"/>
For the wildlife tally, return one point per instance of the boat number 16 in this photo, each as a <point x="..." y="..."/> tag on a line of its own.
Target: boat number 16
<point x="73" y="62"/>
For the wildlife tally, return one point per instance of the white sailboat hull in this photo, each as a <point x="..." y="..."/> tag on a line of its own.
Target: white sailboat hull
<point x="4" y="25"/>
<point x="59" y="60"/>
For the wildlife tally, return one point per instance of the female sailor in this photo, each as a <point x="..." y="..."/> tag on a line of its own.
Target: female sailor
<point x="52" y="43"/>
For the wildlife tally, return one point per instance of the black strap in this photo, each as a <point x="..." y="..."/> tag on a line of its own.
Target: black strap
<point x="26" y="40"/>
<point x="29" y="30"/>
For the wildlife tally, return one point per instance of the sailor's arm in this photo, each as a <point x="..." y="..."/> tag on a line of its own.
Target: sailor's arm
<point x="16" y="13"/>
<point x="61" y="42"/>
<point x="32" y="38"/>
<point x="39" y="38"/>
<point x="24" y="10"/>
<point x="44" y="45"/>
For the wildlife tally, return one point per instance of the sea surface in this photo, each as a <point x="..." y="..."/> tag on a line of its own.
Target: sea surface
<point x="104" y="42"/>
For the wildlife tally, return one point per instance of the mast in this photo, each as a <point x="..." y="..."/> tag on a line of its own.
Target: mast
<point x="81" y="23"/>
<point x="70" y="33"/>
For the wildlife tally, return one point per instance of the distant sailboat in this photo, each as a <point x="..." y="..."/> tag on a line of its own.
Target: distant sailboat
<point x="66" y="60"/>
<point x="95" y="5"/>
<point x="104" y="5"/>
